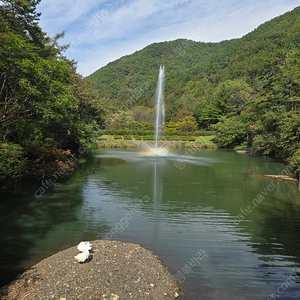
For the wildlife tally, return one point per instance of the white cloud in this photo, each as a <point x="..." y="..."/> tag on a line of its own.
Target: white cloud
<point x="102" y="31"/>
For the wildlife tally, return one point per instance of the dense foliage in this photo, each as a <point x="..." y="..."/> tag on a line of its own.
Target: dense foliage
<point x="45" y="106"/>
<point x="247" y="90"/>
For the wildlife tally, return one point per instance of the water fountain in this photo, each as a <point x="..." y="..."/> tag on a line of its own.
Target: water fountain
<point x="160" y="107"/>
<point x="158" y="149"/>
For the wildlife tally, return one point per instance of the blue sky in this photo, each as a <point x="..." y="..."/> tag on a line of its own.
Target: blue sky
<point x="102" y="31"/>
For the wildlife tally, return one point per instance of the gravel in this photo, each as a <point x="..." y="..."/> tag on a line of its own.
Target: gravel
<point x="114" y="271"/>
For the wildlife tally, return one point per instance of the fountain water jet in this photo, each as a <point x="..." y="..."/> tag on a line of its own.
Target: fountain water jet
<point x="160" y="107"/>
<point x="156" y="149"/>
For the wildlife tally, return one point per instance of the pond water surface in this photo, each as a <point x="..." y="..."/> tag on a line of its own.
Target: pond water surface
<point x="224" y="230"/>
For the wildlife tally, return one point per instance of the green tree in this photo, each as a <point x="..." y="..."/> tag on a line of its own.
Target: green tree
<point x="171" y="127"/>
<point x="181" y="114"/>
<point x="12" y="160"/>
<point x="147" y="126"/>
<point x="134" y="125"/>
<point x="187" y="124"/>
<point x="142" y="114"/>
<point x="41" y="96"/>
<point x="230" y="132"/>
<point x="206" y="114"/>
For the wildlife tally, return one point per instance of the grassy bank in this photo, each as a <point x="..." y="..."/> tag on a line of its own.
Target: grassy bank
<point x="108" y="141"/>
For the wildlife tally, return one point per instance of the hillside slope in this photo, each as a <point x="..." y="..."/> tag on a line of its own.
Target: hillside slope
<point x="134" y="76"/>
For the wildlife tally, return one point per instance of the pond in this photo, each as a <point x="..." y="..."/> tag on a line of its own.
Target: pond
<point x="224" y="230"/>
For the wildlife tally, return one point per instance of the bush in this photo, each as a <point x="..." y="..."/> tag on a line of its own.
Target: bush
<point x="171" y="133"/>
<point x="148" y="137"/>
<point x="134" y="125"/>
<point x="185" y="133"/>
<point x="172" y="138"/>
<point x="187" y="138"/>
<point x="137" y="137"/>
<point x="230" y="132"/>
<point x="144" y="132"/>
<point x="11" y="160"/>
<point x="147" y="126"/>
<point x="203" y="132"/>
<point x="117" y="132"/>
<point x="187" y="124"/>
<point x="180" y="138"/>
<point x="171" y="127"/>
<point x="127" y="137"/>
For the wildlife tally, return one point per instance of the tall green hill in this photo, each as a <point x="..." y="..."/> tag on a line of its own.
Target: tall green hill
<point x="134" y="77"/>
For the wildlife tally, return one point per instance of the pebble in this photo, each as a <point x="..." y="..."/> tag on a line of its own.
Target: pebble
<point x="110" y="297"/>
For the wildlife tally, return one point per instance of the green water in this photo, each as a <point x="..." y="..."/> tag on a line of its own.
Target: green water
<point x="179" y="206"/>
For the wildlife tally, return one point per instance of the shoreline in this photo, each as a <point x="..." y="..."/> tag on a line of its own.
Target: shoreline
<point x="115" y="270"/>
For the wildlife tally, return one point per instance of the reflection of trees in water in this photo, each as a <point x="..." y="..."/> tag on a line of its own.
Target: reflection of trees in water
<point x="25" y="221"/>
<point x="13" y="246"/>
<point x="277" y="229"/>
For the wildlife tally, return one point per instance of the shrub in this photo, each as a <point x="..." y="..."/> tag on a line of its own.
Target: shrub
<point x="230" y="132"/>
<point x="11" y="160"/>
<point x="134" y="125"/>
<point x="203" y="132"/>
<point x="148" y="137"/>
<point x="171" y="127"/>
<point x="187" y="124"/>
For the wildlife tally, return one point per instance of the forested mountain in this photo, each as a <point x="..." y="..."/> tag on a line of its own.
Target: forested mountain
<point x="45" y="106"/>
<point x="247" y="89"/>
<point x="132" y="79"/>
